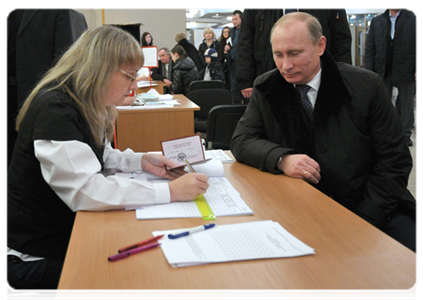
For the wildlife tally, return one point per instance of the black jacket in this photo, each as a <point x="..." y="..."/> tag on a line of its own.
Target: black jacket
<point x="183" y="73"/>
<point x="215" y="69"/>
<point x="401" y="50"/>
<point x="254" y="55"/>
<point x="193" y="53"/>
<point x="41" y="37"/>
<point x="203" y="46"/>
<point x="356" y="137"/>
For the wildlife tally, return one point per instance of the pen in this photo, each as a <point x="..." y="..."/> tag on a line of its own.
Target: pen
<point x="189" y="166"/>
<point x="131" y="252"/>
<point x="153" y="239"/>
<point x="191" y="231"/>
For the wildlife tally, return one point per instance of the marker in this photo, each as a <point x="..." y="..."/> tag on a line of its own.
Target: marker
<point x="131" y="252"/>
<point x="153" y="239"/>
<point x="191" y="231"/>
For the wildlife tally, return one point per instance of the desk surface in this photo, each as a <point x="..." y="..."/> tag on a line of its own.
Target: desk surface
<point x="350" y="253"/>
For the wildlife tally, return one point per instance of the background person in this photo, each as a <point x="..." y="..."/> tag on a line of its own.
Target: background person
<point x="184" y="70"/>
<point x="164" y="71"/>
<point x="391" y="52"/>
<point x="146" y="39"/>
<point x="209" y="41"/>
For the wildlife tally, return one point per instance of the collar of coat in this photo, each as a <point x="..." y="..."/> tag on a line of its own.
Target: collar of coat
<point x="283" y="98"/>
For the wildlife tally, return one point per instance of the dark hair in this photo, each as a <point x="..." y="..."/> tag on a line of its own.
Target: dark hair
<point x="237" y="12"/>
<point x="144" y="42"/>
<point x="180" y="50"/>
<point x="222" y="38"/>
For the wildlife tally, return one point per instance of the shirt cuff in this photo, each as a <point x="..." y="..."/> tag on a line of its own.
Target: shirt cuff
<point x="162" y="192"/>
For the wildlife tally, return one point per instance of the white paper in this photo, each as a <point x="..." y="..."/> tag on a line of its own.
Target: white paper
<point x="219" y="155"/>
<point x="221" y="196"/>
<point x="235" y="242"/>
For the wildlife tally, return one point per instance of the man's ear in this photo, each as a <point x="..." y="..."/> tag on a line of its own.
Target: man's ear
<point x="321" y="45"/>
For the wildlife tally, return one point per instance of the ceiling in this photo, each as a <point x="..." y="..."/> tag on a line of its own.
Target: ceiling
<point x="215" y="18"/>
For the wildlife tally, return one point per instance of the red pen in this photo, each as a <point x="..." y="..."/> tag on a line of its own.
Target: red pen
<point x="131" y="252"/>
<point x="153" y="239"/>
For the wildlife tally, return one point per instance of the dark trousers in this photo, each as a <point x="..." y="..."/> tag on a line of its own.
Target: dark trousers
<point x="402" y="228"/>
<point x="237" y="97"/>
<point x="40" y="274"/>
<point x="404" y="103"/>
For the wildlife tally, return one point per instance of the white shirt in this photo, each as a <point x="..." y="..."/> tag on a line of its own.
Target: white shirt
<point x="314" y="84"/>
<point x="72" y="170"/>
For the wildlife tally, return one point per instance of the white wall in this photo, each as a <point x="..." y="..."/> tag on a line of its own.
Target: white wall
<point x="162" y="24"/>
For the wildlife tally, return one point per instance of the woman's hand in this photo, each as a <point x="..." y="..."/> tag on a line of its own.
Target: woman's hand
<point x="188" y="187"/>
<point x="158" y="165"/>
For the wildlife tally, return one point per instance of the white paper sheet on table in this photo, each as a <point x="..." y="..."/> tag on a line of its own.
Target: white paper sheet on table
<point x="234" y="242"/>
<point x="222" y="197"/>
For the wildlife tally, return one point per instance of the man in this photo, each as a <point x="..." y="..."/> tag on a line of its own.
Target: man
<point x="352" y="145"/>
<point x="255" y="56"/>
<point x="231" y="48"/>
<point x="391" y="52"/>
<point x="35" y="41"/>
<point x="164" y="70"/>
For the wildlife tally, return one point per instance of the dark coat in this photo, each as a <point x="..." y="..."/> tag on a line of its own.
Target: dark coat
<point x="254" y="56"/>
<point x="215" y="69"/>
<point x="183" y="73"/>
<point x="403" y="51"/>
<point x="159" y="73"/>
<point x="193" y="53"/>
<point x="203" y="46"/>
<point x="42" y="37"/>
<point x="356" y="137"/>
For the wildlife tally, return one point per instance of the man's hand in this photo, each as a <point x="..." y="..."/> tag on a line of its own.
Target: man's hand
<point x="167" y="82"/>
<point x="247" y="92"/>
<point x="300" y="166"/>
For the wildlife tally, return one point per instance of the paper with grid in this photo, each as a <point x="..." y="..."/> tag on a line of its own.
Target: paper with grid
<point x="235" y="242"/>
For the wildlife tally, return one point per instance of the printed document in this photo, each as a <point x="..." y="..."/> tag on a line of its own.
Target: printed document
<point x="234" y="242"/>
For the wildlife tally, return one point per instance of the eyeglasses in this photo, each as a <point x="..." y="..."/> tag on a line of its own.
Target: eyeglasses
<point x="133" y="78"/>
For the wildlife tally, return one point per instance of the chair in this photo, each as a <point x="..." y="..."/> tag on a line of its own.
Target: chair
<point x="205" y="84"/>
<point x="27" y="295"/>
<point x="221" y="125"/>
<point x="206" y="99"/>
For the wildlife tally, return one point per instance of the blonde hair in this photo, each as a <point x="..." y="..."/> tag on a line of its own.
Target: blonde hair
<point x="315" y="31"/>
<point x="85" y="72"/>
<point x="208" y="29"/>
<point x="180" y="36"/>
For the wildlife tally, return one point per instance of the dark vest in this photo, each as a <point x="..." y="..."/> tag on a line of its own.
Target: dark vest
<point x="39" y="222"/>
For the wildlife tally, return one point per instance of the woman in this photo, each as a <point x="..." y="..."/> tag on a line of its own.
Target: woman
<point x="209" y="41"/>
<point x="146" y="39"/>
<point x="184" y="70"/>
<point x="223" y="56"/>
<point x="62" y="156"/>
<point x="191" y="51"/>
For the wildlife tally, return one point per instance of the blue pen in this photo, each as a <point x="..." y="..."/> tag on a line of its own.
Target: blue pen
<point x="191" y="231"/>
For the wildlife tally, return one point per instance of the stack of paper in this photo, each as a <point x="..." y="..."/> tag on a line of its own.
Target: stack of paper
<point x="235" y="242"/>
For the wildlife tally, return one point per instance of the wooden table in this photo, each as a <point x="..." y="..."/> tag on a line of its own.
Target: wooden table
<point x="158" y="85"/>
<point x="350" y="253"/>
<point x="143" y="130"/>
